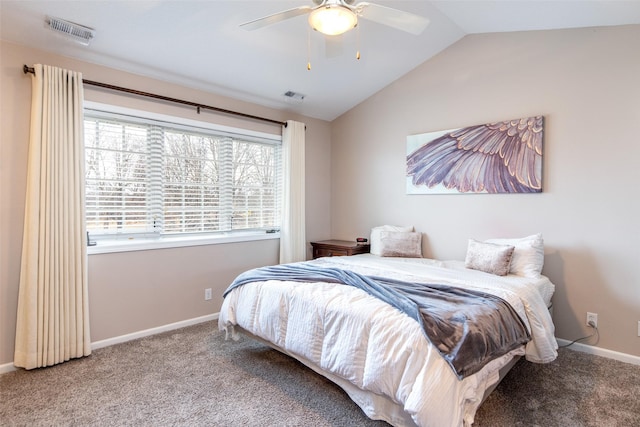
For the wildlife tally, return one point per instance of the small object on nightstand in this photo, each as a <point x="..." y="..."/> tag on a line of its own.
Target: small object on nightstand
<point x="361" y="240"/>
<point x="326" y="248"/>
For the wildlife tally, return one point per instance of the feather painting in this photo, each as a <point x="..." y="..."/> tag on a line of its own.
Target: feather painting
<point x="501" y="157"/>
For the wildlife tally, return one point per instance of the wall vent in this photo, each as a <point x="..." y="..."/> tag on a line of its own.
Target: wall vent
<point x="77" y="32"/>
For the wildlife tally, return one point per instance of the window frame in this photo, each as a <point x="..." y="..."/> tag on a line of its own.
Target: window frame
<point x="127" y="242"/>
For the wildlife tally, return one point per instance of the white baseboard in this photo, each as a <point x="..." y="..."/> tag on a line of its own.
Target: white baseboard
<point x="598" y="351"/>
<point x="153" y="331"/>
<point x="8" y="367"/>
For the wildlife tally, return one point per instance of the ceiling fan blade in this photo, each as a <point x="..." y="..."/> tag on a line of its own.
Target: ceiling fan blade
<point x="275" y="18"/>
<point x="405" y="21"/>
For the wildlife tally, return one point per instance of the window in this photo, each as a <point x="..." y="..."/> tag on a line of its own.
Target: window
<point x="150" y="178"/>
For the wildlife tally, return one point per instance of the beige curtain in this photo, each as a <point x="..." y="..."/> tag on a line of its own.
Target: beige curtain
<point x="293" y="244"/>
<point x="53" y="319"/>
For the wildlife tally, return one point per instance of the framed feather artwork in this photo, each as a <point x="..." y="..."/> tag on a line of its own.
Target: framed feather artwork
<point x="501" y="157"/>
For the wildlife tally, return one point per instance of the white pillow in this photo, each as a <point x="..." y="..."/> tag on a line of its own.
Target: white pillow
<point x="489" y="257"/>
<point x="528" y="256"/>
<point x="375" y="236"/>
<point x="406" y="244"/>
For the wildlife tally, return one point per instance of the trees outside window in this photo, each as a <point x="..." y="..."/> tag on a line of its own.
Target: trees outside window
<point x="145" y="178"/>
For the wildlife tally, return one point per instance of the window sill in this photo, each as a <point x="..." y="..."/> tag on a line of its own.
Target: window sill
<point x="142" y="244"/>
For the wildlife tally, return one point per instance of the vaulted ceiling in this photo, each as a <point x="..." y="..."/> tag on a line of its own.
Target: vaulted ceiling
<point x="200" y="44"/>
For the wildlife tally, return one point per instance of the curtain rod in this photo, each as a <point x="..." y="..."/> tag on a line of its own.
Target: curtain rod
<point x="31" y="70"/>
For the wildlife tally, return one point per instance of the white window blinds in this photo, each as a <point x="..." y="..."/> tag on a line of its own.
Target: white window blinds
<point x="155" y="178"/>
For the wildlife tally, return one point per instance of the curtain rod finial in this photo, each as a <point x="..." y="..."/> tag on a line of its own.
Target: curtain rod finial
<point x="26" y="69"/>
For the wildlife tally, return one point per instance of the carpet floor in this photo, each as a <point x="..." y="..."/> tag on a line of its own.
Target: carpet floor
<point x="193" y="377"/>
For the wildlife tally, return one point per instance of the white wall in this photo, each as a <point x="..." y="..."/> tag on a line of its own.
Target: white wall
<point x="586" y="83"/>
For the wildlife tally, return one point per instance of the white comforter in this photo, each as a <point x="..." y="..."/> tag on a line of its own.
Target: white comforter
<point x="356" y="339"/>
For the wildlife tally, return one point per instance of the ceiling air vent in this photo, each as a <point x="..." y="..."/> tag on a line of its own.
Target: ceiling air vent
<point x="294" y="96"/>
<point x="79" y="33"/>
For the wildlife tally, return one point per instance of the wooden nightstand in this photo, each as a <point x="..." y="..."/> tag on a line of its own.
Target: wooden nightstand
<point x="338" y="248"/>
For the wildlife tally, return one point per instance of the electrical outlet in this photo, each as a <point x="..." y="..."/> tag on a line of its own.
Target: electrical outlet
<point x="207" y="294"/>
<point x="639" y="328"/>
<point x="592" y="317"/>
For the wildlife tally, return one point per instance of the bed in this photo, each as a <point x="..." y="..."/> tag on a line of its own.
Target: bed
<point x="377" y="353"/>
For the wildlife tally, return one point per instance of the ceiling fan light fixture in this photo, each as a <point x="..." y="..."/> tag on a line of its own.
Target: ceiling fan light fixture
<point x="333" y="20"/>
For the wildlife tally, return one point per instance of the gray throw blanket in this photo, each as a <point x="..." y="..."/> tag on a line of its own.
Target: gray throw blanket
<point x="469" y="328"/>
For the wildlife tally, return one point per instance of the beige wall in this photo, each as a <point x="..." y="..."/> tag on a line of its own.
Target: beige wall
<point x="133" y="291"/>
<point x="586" y="82"/>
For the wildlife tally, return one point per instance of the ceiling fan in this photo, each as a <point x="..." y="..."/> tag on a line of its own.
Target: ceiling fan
<point x="334" y="17"/>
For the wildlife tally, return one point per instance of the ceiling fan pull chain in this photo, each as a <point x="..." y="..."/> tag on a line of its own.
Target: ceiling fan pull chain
<point x="308" y="48"/>
<point x="358" y="42"/>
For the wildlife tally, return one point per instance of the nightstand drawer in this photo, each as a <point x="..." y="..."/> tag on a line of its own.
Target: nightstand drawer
<point x="327" y="248"/>
<point x="320" y="252"/>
